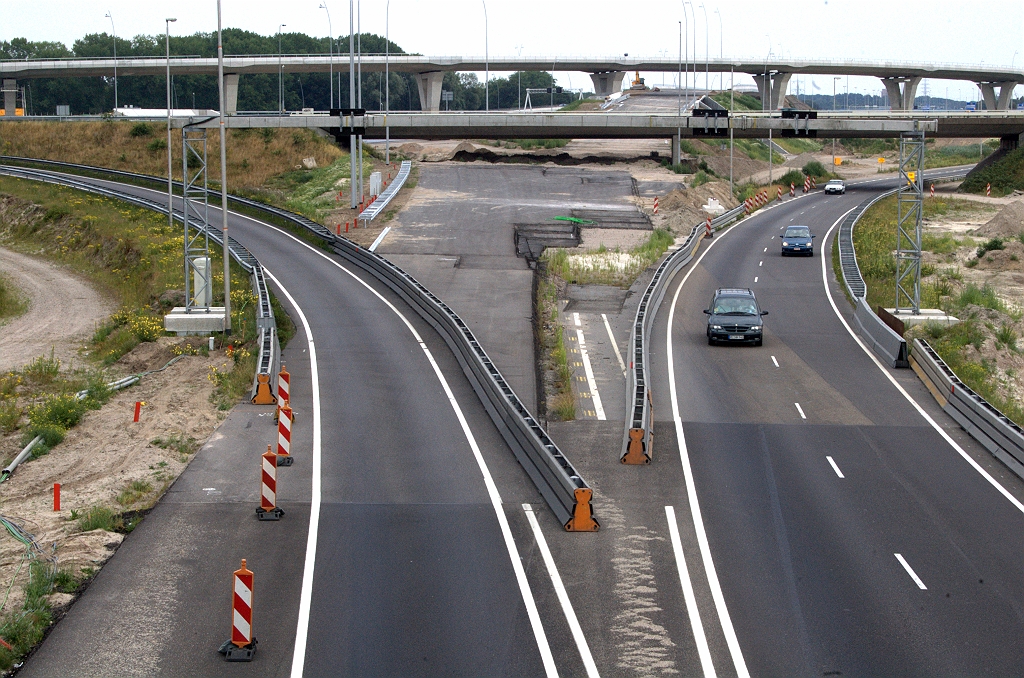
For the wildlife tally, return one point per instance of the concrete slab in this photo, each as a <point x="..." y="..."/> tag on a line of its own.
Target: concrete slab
<point x="196" y="322"/>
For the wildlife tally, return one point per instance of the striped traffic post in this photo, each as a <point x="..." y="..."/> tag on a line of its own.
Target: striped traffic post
<point x="707" y="228"/>
<point x="988" y="190"/>
<point x="792" y="190"/>
<point x="780" y="194"/>
<point x="284" y="436"/>
<point x="807" y="184"/>
<point x="932" y="190"/>
<point x="268" y="509"/>
<point x="242" y="645"/>
<point x="813" y="183"/>
<point x="655" y="204"/>
<point x="284" y="381"/>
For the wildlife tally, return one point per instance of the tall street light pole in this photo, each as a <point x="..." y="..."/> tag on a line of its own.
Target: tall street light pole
<point x="387" y="82"/>
<point x="114" y="30"/>
<point x="721" y="51"/>
<point x="280" y="70"/>
<point x="223" y="179"/>
<point x="352" y="95"/>
<point x="834" y="81"/>
<point x="487" y="66"/>
<point x="707" y="69"/>
<point x="330" y="47"/>
<point x="359" y="87"/>
<point x="170" y="185"/>
<point x="686" y="52"/>
<point x="679" y="92"/>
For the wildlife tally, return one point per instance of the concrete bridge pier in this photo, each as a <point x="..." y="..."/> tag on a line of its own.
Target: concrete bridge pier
<point x="10" y="96"/>
<point x="772" y="88"/>
<point x="230" y="93"/>
<point x="988" y="93"/>
<point x="901" y="100"/>
<point x="607" y="82"/>
<point x="429" y="86"/>
<point x="676" y="157"/>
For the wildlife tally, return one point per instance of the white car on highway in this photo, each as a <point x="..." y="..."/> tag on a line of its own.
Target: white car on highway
<point x="836" y="186"/>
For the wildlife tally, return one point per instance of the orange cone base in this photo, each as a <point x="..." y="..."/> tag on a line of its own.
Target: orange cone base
<point x="273" y="514"/>
<point x="233" y="653"/>
<point x="635" y="453"/>
<point x="582" y="513"/>
<point x="264" y="394"/>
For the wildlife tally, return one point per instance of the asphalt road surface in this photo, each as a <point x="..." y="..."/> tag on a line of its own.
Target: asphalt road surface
<point x="847" y="536"/>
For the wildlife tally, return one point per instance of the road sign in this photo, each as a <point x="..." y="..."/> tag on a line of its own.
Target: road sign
<point x="881" y="160"/>
<point x="837" y="161"/>
<point x="911" y="176"/>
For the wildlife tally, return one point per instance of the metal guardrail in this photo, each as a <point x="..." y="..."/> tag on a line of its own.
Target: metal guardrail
<point x="378" y="205"/>
<point x="638" y="442"/>
<point x="268" y="346"/>
<point x="883" y="339"/>
<point x="563" y="488"/>
<point x="986" y="424"/>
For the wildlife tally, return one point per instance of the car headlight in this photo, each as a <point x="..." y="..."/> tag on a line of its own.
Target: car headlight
<point x="716" y="327"/>
<point x="755" y="328"/>
<point x="785" y="244"/>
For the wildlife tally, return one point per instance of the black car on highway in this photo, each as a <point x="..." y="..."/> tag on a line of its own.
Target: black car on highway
<point x="797" y="240"/>
<point x="734" y="317"/>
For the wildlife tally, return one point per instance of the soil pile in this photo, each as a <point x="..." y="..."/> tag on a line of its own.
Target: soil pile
<point x="1010" y="258"/>
<point x="682" y="208"/>
<point x="1007" y="223"/>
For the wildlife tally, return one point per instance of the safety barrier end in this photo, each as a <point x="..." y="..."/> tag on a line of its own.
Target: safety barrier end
<point x="264" y="394"/>
<point x="582" y="512"/>
<point x="635" y="452"/>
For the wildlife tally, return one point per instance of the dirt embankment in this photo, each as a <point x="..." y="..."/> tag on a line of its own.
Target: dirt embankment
<point x="682" y="208"/>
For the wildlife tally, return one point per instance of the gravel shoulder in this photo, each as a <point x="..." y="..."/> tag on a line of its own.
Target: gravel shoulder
<point x="63" y="311"/>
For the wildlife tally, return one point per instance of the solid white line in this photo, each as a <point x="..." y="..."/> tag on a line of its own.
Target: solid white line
<point x="380" y="238"/>
<point x="591" y="381"/>
<point x="691" y="489"/>
<point x="835" y="467"/>
<point x="800" y="410"/>
<point x="910" y="571"/>
<point x="299" y="655"/>
<point x="703" y="650"/>
<point x="576" y="319"/>
<point x="927" y="417"/>
<point x="306" y="593"/>
<point x="563" y="595"/>
<point x="775" y="361"/>
<point x="615" y="345"/>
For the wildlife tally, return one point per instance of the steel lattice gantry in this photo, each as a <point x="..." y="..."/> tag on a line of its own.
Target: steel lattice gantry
<point x="909" y="201"/>
<point x="195" y="210"/>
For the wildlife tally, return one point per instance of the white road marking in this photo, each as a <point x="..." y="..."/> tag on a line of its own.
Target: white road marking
<point x="576" y="320"/>
<point x="380" y="238"/>
<point x="563" y="596"/>
<point x="766" y="249"/>
<point x="761" y="263"/>
<point x="755" y="278"/>
<point x="703" y="650"/>
<point x="302" y="629"/>
<point x="691" y="488"/>
<point x="800" y="410"/>
<point x="615" y="345"/>
<point x="910" y="571"/>
<point x="835" y="467"/>
<point x="775" y="361"/>
<point x="306" y="593"/>
<point x="591" y="381"/>
<point x="927" y="417"/>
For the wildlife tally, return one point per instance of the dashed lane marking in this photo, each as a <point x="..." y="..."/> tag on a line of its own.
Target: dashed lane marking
<point x="835" y="467"/>
<point x="910" y="571"/>
<point x="775" y="361"/>
<point x="800" y="410"/>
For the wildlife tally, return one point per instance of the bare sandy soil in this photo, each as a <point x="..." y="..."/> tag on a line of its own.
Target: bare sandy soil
<point x="63" y="311"/>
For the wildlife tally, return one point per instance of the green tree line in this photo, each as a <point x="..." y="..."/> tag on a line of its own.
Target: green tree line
<point x="256" y="92"/>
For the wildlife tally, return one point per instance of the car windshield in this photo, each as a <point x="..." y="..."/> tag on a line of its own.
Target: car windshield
<point x="835" y="182"/>
<point x="735" y="306"/>
<point x="800" y="232"/>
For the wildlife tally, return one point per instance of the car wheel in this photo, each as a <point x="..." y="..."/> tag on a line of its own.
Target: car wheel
<point x="711" y="342"/>
<point x="758" y="342"/>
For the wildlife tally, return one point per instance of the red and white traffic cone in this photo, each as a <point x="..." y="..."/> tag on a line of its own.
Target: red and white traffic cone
<point x="284" y="381"/>
<point x="655" y="204"/>
<point x="807" y="184"/>
<point x="932" y="190"/>
<point x="707" y="229"/>
<point x="284" y="436"/>
<point x="988" y="190"/>
<point x="268" y="509"/>
<point x="242" y="645"/>
<point x="792" y="190"/>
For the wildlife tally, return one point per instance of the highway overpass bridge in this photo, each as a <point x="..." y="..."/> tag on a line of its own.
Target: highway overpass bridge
<point x="900" y="78"/>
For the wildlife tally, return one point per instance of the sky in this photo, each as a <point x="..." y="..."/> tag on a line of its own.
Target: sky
<point x="984" y="32"/>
